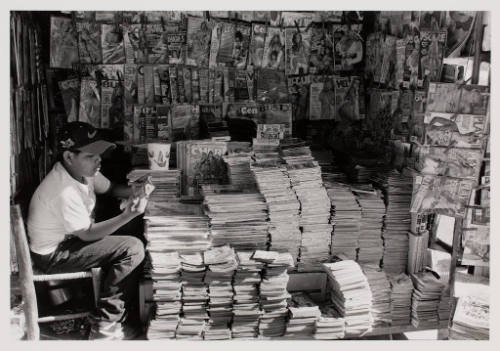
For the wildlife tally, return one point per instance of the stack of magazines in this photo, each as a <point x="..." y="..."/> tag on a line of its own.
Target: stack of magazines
<point x="194" y="290"/>
<point x="246" y="311"/>
<point x="273" y="291"/>
<point x="303" y="314"/>
<point x="425" y="300"/>
<point x="346" y="218"/>
<point x="370" y="237"/>
<point x="330" y="325"/>
<point x="190" y="329"/>
<point x="167" y="183"/>
<point x="418" y="251"/>
<point x="238" y="162"/>
<point x="471" y="320"/>
<point x="283" y="207"/>
<point x="381" y="295"/>
<point x="351" y="295"/>
<point x="401" y="294"/>
<point x="266" y="152"/>
<point x="237" y="219"/>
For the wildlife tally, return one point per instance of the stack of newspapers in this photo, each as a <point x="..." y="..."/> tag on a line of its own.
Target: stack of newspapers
<point x="381" y="295"/>
<point x="425" y="300"/>
<point x="303" y="314"/>
<point x="330" y="325"/>
<point x="194" y="290"/>
<point x="401" y="294"/>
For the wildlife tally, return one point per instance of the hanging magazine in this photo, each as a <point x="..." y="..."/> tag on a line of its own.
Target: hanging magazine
<point x="163" y="16"/>
<point x="348" y="48"/>
<point x="452" y="130"/>
<point x="412" y="61"/>
<point x="89" y="42"/>
<point x="156" y="43"/>
<point x="199" y="31"/>
<point x="133" y="17"/>
<point x="70" y="93"/>
<point x="130" y="84"/>
<point x="185" y="122"/>
<point x="203" y="75"/>
<point x="111" y="103"/>
<point x="63" y="43"/>
<point x="432" y="46"/>
<point x="301" y="19"/>
<point x="298" y="92"/>
<point x="454" y="98"/>
<point x="257" y="44"/>
<point x="297" y="47"/>
<point x="373" y="56"/>
<point x="161" y="81"/>
<point x="432" y="20"/>
<point x="222" y="43"/>
<point x="271" y="86"/>
<point x="163" y="122"/>
<point x="321" y="50"/>
<point x="322" y="98"/>
<point x="241" y="45"/>
<point x="134" y="39"/>
<point x="349" y="99"/>
<point x="176" y="34"/>
<point x="90" y="103"/>
<point x="274" y="49"/>
<point x="113" y="50"/>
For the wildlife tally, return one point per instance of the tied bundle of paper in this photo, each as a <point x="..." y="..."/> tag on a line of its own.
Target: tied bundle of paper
<point x="167" y="184"/>
<point x="471" y="320"/>
<point x="381" y="295"/>
<point x="194" y="290"/>
<point x="238" y="162"/>
<point x="418" y="251"/>
<point x="273" y="292"/>
<point x="222" y="263"/>
<point x="330" y="325"/>
<point x="283" y="207"/>
<point x="303" y="313"/>
<point x="371" y="246"/>
<point x="237" y="219"/>
<point x="401" y="294"/>
<point x="425" y="300"/>
<point x="246" y="311"/>
<point x="178" y="227"/>
<point x="346" y="218"/>
<point x="397" y="188"/>
<point x="190" y="329"/>
<point x="166" y="294"/>
<point x="351" y="295"/>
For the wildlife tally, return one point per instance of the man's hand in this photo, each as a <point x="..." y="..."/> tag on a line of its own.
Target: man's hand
<point x="135" y="206"/>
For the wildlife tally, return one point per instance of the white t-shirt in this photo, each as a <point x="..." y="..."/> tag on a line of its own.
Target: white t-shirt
<point x="61" y="205"/>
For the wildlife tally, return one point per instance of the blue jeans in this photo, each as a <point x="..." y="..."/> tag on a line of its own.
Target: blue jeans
<point x="118" y="256"/>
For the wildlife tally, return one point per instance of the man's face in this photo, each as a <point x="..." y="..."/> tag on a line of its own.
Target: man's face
<point x="84" y="164"/>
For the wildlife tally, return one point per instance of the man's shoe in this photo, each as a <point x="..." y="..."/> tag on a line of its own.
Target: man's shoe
<point x="103" y="330"/>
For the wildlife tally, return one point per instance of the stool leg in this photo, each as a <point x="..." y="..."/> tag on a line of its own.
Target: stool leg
<point x="96" y="284"/>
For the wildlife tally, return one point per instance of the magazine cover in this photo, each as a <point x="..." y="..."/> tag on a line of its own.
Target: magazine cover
<point x="453" y="98"/>
<point x="203" y="75"/>
<point x="349" y="99"/>
<point x="148" y="78"/>
<point x="90" y="103"/>
<point x="399" y="62"/>
<point x="432" y="20"/>
<point x="271" y="86"/>
<point x="432" y="47"/>
<point x="163" y="16"/>
<point x="257" y="42"/>
<point x="241" y="46"/>
<point x="216" y="86"/>
<point x="161" y="82"/>
<point x="222" y="44"/>
<point x="134" y="39"/>
<point x="111" y="103"/>
<point x="455" y="130"/>
<point x="298" y="92"/>
<point x="301" y="19"/>
<point x="187" y="79"/>
<point x="156" y="43"/>
<point x="412" y="61"/>
<point x="321" y="53"/>
<point x="133" y="17"/>
<point x="84" y="15"/>
<point x="394" y="22"/>
<point x="130" y="84"/>
<point x="373" y="56"/>
<point x="174" y="93"/>
<point x="348" y="49"/>
<point x="199" y="32"/>
<point x="388" y="60"/>
<point x="274" y="49"/>
<point x="107" y="72"/>
<point x="459" y="25"/>
<point x="441" y="195"/>
<point x="181" y="87"/>
<point x="215" y="42"/>
<point x="185" y="122"/>
<point x="297" y="45"/>
<point x="63" y="43"/>
<point x="176" y="36"/>
<point x="70" y="93"/>
<point x="89" y="42"/>
<point x="113" y="50"/>
<point x="163" y="121"/>
<point x="322" y="98"/>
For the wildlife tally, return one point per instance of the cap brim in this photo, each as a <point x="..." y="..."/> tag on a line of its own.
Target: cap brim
<point x="97" y="147"/>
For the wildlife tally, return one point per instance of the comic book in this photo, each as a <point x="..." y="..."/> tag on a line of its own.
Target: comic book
<point x="257" y="42"/>
<point x="432" y="47"/>
<point x="348" y="47"/>
<point x="412" y="61"/>
<point x="63" y="43"/>
<point x="236" y="85"/>
<point x="199" y="31"/>
<point x="216" y="86"/>
<point x="441" y="195"/>
<point x="373" y="56"/>
<point x="402" y="115"/>
<point x="222" y="43"/>
<point x="455" y="98"/>
<point x="156" y="43"/>
<point x="241" y="46"/>
<point x="342" y="97"/>
<point x="90" y="103"/>
<point x="322" y="98"/>
<point x="161" y="82"/>
<point x="271" y="86"/>
<point x="185" y="122"/>
<point x="187" y="79"/>
<point x="399" y="62"/>
<point x="388" y="59"/>
<point x="113" y="50"/>
<point x="134" y="39"/>
<point x="195" y="85"/>
<point x="108" y="16"/>
<point x="455" y="130"/>
<point x="89" y="42"/>
<point x="176" y="36"/>
<point x="203" y="74"/>
<point x="70" y="93"/>
<point x="163" y="121"/>
<point x="298" y="92"/>
<point x="136" y="123"/>
<point x="301" y="19"/>
<point x="297" y="46"/>
<point x="274" y="49"/>
<point x="215" y="42"/>
<point x="321" y="53"/>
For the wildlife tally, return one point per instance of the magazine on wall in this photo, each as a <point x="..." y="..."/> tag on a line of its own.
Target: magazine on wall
<point x="111" y="103"/>
<point x="388" y="60"/>
<point x="181" y="92"/>
<point x="297" y="46"/>
<point x="454" y="98"/>
<point x="274" y="49"/>
<point x="348" y="49"/>
<point x="176" y="37"/>
<point x="432" y="47"/>
<point x="321" y="53"/>
<point x="156" y="43"/>
<point x="256" y="54"/>
<point x="399" y="62"/>
<point x="203" y="75"/>
<point x="241" y="46"/>
<point x="174" y="93"/>
<point x="411" y="62"/>
<point x="344" y="96"/>
<point x="475" y="240"/>
<point x="70" y="93"/>
<point x="222" y="43"/>
<point x="432" y="20"/>
<point x="113" y="50"/>
<point x="459" y="25"/>
<point x="89" y="42"/>
<point x="163" y="122"/>
<point x="322" y="98"/>
<point x="372" y="55"/>
<point x="134" y="39"/>
<point x="63" y="43"/>
<point x="455" y="130"/>
<point x="271" y="86"/>
<point x="148" y="77"/>
<point x="90" y="103"/>
<point x="298" y="92"/>
<point x="85" y="15"/>
<point x="195" y="85"/>
<point x="130" y="84"/>
<point x="133" y="17"/>
<point x="185" y="122"/>
<point x="187" y="79"/>
<point x="441" y="195"/>
<point x="301" y="19"/>
<point x="394" y="22"/>
<point x="161" y="81"/>
<point x="199" y="32"/>
<point x="163" y="16"/>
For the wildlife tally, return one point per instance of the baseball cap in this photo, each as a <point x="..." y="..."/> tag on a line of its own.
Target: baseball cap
<point x="84" y="137"/>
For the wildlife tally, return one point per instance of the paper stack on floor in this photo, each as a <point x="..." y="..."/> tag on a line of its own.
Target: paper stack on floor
<point x="471" y="320"/>
<point x="381" y="295"/>
<point x="194" y="290"/>
<point x="303" y="314"/>
<point x="418" y="251"/>
<point x="330" y="325"/>
<point x="238" y="161"/>
<point x="401" y="294"/>
<point x="425" y="300"/>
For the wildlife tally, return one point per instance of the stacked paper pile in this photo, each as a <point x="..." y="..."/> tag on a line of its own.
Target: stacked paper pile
<point x="273" y="291"/>
<point x="471" y="320"/>
<point x="425" y="300"/>
<point x="371" y="247"/>
<point x="381" y="295"/>
<point x="238" y="162"/>
<point x="167" y="183"/>
<point x="330" y="325"/>
<point x="237" y="219"/>
<point x="346" y="218"/>
<point x="418" y="251"/>
<point x="222" y="263"/>
<point x="246" y="311"/>
<point x="351" y="295"/>
<point x="194" y="290"/>
<point x="397" y="189"/>
<point x="266" y="152"/>
<point x="303" y="314"/>
<point x="283" y="207"/>
<point x="166" y="293"/>
<point x="190" y="329"/>
<point x="401" y="294"/>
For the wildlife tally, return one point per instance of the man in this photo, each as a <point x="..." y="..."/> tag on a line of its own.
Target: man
<point x="64" y="237"/>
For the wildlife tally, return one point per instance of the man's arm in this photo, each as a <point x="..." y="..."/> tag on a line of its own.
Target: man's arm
<point x="103" y="185"/>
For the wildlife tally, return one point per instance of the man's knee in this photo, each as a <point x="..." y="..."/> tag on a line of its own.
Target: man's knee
<point x="135" y="249"/>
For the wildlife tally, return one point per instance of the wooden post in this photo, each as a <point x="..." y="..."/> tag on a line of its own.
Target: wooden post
<point x="478" y="39"/>
<point x="25" y="274"/>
